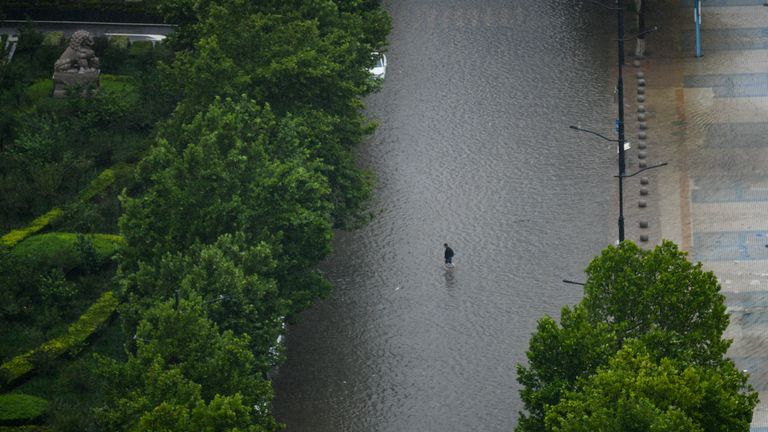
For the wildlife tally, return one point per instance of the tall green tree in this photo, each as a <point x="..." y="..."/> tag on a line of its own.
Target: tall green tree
<point x="636" y="392"/>
<point x="218" y="176"/>
<point x="227" y="276"/>
<point x="308" y="60"/>
<point x="661" y="297"/>
<point x="657" y="297"/>
<point x="184" y="364"/>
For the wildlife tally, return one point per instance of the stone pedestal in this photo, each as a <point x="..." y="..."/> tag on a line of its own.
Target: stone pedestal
<point x="88" y="82"/>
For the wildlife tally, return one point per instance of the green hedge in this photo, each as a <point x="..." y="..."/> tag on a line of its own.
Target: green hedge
<point x="58" y="249"/>
<point x="21" y="409"/>
<point x="70" y="343"/>
<point x="97" y="185"/>
<point x="17" y="235"/>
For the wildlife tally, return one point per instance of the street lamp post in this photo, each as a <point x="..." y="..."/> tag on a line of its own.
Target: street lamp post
<point x="621" y="143"/>
<point x="620" y="121"/>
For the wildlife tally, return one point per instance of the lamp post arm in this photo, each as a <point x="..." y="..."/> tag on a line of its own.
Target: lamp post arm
<point x="644" y="169"/>
<point x="578" y="128"/>
<point x="573" y="282"/>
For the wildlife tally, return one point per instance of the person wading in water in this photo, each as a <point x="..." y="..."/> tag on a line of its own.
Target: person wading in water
<point x="448" y="255"/>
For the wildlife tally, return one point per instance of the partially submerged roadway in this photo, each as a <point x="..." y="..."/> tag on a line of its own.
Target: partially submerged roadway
<point x="708" y="117"/>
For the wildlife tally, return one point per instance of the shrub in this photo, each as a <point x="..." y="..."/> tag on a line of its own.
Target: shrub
<point x="70" y="343"/>
<point x="17" y="235"/>
<point x="40" y="89"/>
<point x="53" y="38"/>
<point x="61" y="250"/>
<point x="97" y="185"/>
<point x="119" y="42"/>
<point x="54" y="287"/>
<point x="19" y="409"/>
<point x="141" y="48"/>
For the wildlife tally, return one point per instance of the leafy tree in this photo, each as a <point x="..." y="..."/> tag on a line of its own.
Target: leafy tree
<point x="308" y="60"/>
<point x="184" y="364"/>
<point x="222" y="414"/>
<point x="227" y="276"/>
<point x="557" y="357"/>
<point x="661" y="297"/>
<point x="635" y="392"/>
<point x="218" y="177"/>
<point x="656" y="297"/>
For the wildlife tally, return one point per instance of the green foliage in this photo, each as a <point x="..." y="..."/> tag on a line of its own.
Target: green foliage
<point x="18" y="409"/>
<point x="40" y="89"/>
<point x="557" y="357"/>
<point x="656" y="297"/>
<point x="61" y="250"/>
<point x="50" y="146"/>
<point x="637" y="392"/>
<point x="120" y="42"/>
<point x="182" y="364"/>
<point x="98" y="185"/>
<point x="54" y="286"/>
<point x="660" y="297"/>
<point x="218" y="177"/>
<point x="308" y="60"/>
<point x="223" y="413"/>
<point x="15" y="236"/>
<point x="53" y="38"/>
<point x="228" y="275"/>
<point x="69" y="343"/>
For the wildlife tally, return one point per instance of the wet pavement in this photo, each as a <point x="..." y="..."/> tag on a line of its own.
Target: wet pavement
<point x="708" y="118"/>
<point x="473" y="149"/>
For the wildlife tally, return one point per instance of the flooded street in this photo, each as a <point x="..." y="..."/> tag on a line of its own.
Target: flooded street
<point x="473" y="149"/>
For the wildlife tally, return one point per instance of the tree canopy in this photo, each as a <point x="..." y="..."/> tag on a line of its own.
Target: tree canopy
<point x="637" y="392"/>
<point x="669" y="310"/>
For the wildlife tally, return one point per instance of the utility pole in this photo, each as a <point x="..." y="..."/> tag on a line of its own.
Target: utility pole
<point x="620" y="120"/>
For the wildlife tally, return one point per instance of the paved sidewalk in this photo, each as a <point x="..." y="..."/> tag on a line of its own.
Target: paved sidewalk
<point x="708" y="117"/>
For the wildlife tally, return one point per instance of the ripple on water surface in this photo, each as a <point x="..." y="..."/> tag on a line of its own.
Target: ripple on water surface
<point x="473" y="149"/>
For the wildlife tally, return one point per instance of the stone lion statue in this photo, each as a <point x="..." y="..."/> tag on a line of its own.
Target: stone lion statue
<point x="78" y="57"/>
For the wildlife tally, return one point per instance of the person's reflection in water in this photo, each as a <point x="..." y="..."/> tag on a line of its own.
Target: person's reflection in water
<point x="450" y="278"/>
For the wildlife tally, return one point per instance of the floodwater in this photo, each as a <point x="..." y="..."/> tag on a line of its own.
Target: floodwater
<point x="473" y="149"/>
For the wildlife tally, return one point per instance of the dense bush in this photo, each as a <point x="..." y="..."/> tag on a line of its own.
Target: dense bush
<point x="19" y="409"/>
<point x="15" y="236"/>
<point x="95" y="187"/>
<point x="61" y="250"/>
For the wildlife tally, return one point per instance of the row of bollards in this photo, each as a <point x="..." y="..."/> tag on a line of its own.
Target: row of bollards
<point x="642" y="146"/>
